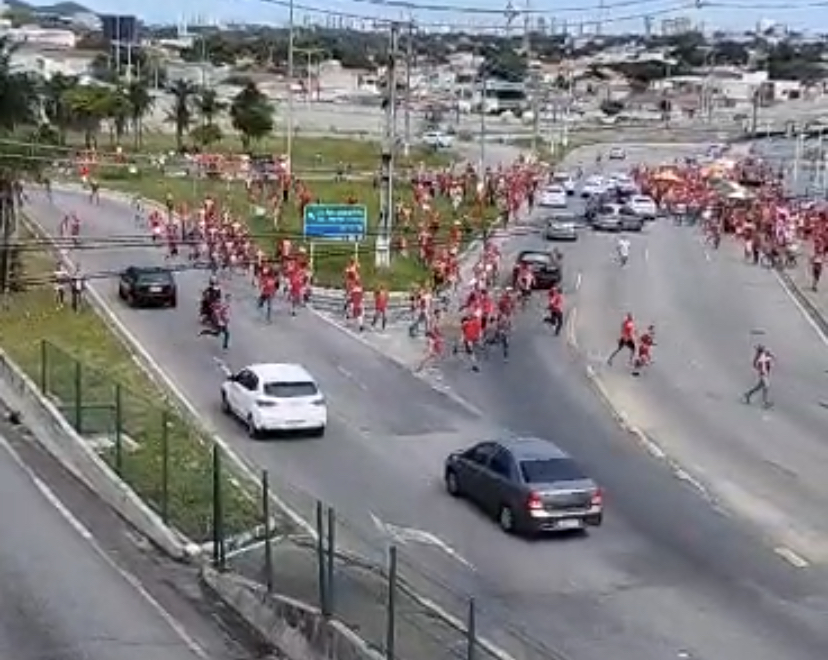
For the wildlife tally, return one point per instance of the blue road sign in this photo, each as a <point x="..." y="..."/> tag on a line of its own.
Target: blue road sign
<point x="336" y="222"/>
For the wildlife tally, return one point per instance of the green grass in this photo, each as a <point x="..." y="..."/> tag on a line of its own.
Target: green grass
<point x="330" y="258"/>
<point x="88" y="372"/>
<point x="309" y="153"/>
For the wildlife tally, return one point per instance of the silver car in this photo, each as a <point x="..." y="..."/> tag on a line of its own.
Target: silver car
<point x="528" y="485"/>
<point x="561" y="228"/>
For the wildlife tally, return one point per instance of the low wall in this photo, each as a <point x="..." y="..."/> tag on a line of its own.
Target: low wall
<point x="297" y="630"/>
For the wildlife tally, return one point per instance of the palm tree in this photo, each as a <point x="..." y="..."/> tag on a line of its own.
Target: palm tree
<point x="118" y="110"/>
<point x="209" y="105"/>
<point x="252" y="114"/>
<point x="19" y="106"/>
<point x="140" y="104"/>
<point x="181" y="113"/>
<point x="88" y="105"/>
<point x="53" y="92"/>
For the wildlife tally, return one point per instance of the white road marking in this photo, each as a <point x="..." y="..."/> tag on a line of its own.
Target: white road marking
<point x="579" y="277"/>
<point x="412" y="535"/>
<point x="791" y="557"/>
<point x="571" y="328"/>
<point x="342" y="370"/>
<point x="707" y="256"/>
<point x="646" y="254"/>
<point x="50" y="496"/>
<point x="802" y="309"/>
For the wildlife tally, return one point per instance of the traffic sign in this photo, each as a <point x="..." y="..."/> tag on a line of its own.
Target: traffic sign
<point x="336" y="222"/>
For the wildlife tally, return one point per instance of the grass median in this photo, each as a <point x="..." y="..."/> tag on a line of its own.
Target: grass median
<point x="109" y="399"/>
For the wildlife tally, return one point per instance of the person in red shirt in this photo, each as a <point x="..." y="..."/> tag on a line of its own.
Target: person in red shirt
<point x="268" y="284"/>
<point x="356" y="300"/>
<point x="435" y="346"/>
<point x="645" y="346"/>
<point x="555" y="309"/>
<point x="506" y="304"/>
<point x="472" y="329"/>
<point x="816" y="269"/>
<point x="380" y="307"/>
<point x="626" y="339"/>
<point x="296" y="289"/>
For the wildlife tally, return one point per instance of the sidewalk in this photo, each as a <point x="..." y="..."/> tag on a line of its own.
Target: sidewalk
<point x="815" y="303"/>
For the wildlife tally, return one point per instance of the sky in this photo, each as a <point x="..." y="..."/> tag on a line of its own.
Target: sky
<point x="617" y="15"/>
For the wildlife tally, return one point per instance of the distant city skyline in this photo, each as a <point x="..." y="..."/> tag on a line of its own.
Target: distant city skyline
<point x="617" y="15"/>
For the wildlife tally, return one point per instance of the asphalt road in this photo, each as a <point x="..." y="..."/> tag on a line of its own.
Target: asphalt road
<point x="667" y="576"/>
<point x="60" y="599"/>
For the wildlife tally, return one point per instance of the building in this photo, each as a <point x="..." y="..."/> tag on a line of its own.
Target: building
<point x="671" y="27"/>
<point x="38" y="36"/>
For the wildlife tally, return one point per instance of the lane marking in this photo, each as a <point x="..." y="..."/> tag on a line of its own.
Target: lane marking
<point x="801" y="309"/>
<point x="571" y="321"/>
<point x="405" y="535"/>
<point x="646" y="254"/>
<point x="578" y="280"/>
<point x="82" y="531"/>
<point x="347" y="374"/>
<point x="707" y="256"/>
<point x="791" y="557"/>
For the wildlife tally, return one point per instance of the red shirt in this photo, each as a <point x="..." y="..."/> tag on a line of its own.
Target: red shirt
<point x="268" y="286"/>
<point x="628" y="330"/>
<point x="556" y="301"/>
<point x="381" y="300"/>
<point x="472" y="329"/>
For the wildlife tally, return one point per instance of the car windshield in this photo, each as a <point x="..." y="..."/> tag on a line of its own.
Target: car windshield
<point x="154" y="277"/>
<point x="555" y="190"/>
<point x="642" y="200"/>
<point x="290" y="390"/>
<point x="547" y="471"/>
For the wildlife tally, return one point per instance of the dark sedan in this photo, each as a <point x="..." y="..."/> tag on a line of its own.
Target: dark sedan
<point x="545" y="267"/>
<point x="145" y="286"/>
<point x="527" y="484"/>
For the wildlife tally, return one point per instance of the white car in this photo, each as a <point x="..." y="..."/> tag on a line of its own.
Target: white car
<point x="553" y="197"/>
<point x="275" y="397"/>
<point x="617" y="153"/>
<point x="565" y="181"/>
<point x="643" y="206"/>
<point x="594" y="185"/>
<point x="624" y="183"/>
<point x="438" y="140"/>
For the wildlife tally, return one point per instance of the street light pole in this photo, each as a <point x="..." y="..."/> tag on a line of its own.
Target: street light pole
<point x="290" y="90"/>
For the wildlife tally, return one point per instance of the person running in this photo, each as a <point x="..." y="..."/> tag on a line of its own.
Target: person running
<point x="380" y="307"/>
<point x="435" y="345"/>
<point x="471" y="329"/>
<point x="816" y="270"/>
<point x="645" y="346"/>
<point x="622" y="250"/>
<point x="555" y="309"/>
<point x="626" y="340"/>
<point x="268" y="285"/>
<point x="220" y="322"/>
<point x="763" y="361"/>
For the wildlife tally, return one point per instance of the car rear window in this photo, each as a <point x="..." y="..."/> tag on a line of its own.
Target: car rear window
<point x="154" y="277"/>
<point x="544" y="471"/>
<point x="290" y="390"/>
<point x="536" y="258"/>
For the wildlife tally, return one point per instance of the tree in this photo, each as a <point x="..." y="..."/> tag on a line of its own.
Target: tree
<point x="206" y="134"/>
<point x="88" y="106"/>
<point x="182" y="112"/>
<point x="504" y="64"/>
<point x="118" y="110"/>
<point x="53" y="93"/>
<point x="140" y="103"/>
<point x="251" y="114"/>
<point x="209" y="105"/>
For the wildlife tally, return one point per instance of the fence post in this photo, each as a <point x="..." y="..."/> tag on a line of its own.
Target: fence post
<point x="44" y="367"/>
<point x="471" y="631"/>
<point x="78" y="396"/>
<point x="165" y="466"/>
<point x="119" y="444"/>
<point x="320" y="557"/>
<point x="218" y="515"/>
<point x="391" y="611"/>
<point x="329" y="578"/>
<point x="268" y="543"/>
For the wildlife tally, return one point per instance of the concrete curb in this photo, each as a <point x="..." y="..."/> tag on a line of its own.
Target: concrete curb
<point x="809" y="308"/>
<point x="52" y="432"/>
<point x="296" y="629"/>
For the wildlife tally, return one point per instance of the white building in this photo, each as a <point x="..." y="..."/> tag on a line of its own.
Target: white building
<point x="38" y="36"/>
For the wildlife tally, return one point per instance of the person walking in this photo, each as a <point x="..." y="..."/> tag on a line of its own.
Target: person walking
<point x="763" y="361"/>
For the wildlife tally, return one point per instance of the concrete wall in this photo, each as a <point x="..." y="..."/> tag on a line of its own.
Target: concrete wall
<point x="297" y="630"/>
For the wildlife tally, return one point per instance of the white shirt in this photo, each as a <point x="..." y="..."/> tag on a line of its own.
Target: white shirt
<point x="623" y="247"/>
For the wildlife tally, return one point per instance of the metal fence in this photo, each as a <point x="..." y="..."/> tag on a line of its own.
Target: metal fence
<point x="163" y="459"/>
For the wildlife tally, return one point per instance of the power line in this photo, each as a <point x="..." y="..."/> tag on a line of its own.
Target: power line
<point x="476" y="9"/>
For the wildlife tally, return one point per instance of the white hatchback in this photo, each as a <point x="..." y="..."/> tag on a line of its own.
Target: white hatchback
<point x="276" y="397"/>
<point x="643" y="206"/>
<point x="553" y="197"/>
<point x="593" y="186"/>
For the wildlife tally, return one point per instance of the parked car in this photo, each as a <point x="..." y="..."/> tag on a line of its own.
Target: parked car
<point x="275" y="397"/>
<point x="148" y="285"/>
<point x="565" y="180"/>
<point x="545" y="266"/>
<point x="553" y="197"/>
<point x="438" y="140"/>
<point x="528" y="485"/>
<point x="617" y="153"/>
<point x="562" y="228"/>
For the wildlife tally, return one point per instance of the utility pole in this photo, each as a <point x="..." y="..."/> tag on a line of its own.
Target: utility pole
<point x="290" y="90"/>
<point x="383" y="240"/>
<point x="482" y="140"/>
<point x="409" y="63"/>
<point x="7" y="234"/>
<point x="531" y="78"/>
<point x="309" y="54"/>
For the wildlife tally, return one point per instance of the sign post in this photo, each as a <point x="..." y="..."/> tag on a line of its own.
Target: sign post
<point x="347" y="223"/>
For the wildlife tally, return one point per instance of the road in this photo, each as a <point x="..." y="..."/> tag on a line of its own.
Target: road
<point x="667" y="575"/>
<point x="62" y="599"/>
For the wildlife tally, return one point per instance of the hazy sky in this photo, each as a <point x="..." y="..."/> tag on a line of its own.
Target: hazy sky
<point x="619" y="15"/>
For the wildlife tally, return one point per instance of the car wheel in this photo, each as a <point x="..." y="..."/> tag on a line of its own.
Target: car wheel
<point x="130" y="299"/>
<point x="452" y="484"/>
<point x="506" y="519"/>
<point x="252" y="430"/>
<point x="225" y="404"/>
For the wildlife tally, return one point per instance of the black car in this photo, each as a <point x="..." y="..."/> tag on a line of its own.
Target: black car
<point x="148" y="285"/>
<point x="528" y="485"/>
<point x="545" y="266"/>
